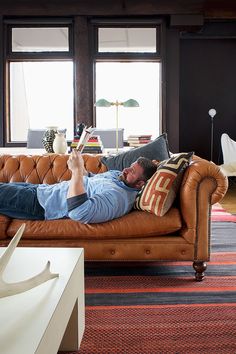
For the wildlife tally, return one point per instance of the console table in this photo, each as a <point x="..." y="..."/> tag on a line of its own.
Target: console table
<point x="25" y="151"/>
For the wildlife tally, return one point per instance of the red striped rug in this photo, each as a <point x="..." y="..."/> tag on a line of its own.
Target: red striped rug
<point x="220" y="214"/>
<point x="158" y="307"/>
<point x="161" y="329"/>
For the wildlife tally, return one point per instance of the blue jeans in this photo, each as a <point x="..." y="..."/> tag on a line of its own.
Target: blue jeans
<point x="19" y="200"/>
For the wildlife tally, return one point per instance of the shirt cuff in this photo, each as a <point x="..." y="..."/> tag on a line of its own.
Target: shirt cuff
<point x="76" y="201"/>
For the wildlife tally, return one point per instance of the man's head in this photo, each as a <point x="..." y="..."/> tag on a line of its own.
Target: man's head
<point x="138" y="173"/>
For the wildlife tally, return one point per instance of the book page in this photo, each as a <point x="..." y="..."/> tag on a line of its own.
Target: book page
<point x="87" y="132"/>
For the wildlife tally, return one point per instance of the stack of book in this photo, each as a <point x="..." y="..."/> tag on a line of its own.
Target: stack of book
<point x="92" y="146"/>
<point x="138" y="140"/>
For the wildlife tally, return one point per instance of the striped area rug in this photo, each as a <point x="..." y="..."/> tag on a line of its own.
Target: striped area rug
<point x="158" y="307"/>
<point x="220" y="214"/>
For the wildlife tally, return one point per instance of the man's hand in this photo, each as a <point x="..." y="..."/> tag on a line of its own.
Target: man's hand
<point x="76" y="163"/>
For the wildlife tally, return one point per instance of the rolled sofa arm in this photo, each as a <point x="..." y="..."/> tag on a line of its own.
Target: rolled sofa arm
<point x="203" y="184"/>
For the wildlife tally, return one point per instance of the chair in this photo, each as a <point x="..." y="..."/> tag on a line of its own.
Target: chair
<point x="108" y="137"/>
<point x="228" y="147"/>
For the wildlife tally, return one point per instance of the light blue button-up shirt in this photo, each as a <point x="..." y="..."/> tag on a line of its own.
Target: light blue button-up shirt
<point x="107" y="198"/>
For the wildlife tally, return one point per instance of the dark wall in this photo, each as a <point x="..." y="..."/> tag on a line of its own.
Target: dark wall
<point x="207" y="80"/>
<point x="199" y="66"/>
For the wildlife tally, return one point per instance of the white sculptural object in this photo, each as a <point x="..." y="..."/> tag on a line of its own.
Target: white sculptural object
<point x="7" y="289"/>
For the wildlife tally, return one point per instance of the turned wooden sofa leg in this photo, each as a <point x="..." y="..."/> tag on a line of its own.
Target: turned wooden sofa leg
<point x="200" y="268"/>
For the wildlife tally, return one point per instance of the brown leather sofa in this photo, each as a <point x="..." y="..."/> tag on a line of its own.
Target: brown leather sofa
<point x="183" y="234"/>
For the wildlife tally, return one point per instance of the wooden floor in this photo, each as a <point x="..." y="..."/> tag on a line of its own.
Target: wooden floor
<point x="229" y="200"/>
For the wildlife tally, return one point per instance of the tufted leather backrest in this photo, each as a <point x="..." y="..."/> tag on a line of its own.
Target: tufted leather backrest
<point x="51" y="168"/>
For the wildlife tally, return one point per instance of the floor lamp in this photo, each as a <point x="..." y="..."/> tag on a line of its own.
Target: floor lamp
<point x="104" y="103"/>
<point x="212" y="113"/>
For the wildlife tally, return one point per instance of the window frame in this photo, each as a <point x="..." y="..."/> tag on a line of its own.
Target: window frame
<point x="158" y="56"/>
<point x="39" y="23"/>
<point x="10" y="56"/>
<point x="83" y="54"/>
<point x="158" y="24"/>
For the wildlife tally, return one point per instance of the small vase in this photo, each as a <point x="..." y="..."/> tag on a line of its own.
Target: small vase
<point x="48" y="138"/>
<point x="59" y="144"/>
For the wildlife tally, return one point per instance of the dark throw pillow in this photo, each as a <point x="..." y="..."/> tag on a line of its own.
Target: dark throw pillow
<point x="158" y="149"/>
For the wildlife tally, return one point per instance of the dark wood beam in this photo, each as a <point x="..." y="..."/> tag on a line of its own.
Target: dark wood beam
<point x="220" y="9"/>
<point x="208" y="8"/>
<point x="186" y="22"/>
<point x="172" y="88"/>
<point x="1" y="84"/>
<point x="83" y="73"/>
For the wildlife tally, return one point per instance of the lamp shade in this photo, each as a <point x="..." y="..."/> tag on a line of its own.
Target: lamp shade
<point x="212" y="112"/>
<point x="102" y="103"/>
<point x="131" y="103"/>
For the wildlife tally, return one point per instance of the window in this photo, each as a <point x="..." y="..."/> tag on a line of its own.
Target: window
<point x="137" y="40"/>
<point x="41" y="95"/>
<point x="122" y="81"/>
<point x="40" y="78"/>
<point x="128" y="66"/>
<point x="44" y="39"/>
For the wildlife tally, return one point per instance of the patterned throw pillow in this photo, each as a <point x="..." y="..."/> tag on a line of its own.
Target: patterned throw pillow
<point x="159" y="193"/>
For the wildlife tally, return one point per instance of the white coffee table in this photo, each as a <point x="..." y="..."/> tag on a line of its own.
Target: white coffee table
<point x="39" y="320"/>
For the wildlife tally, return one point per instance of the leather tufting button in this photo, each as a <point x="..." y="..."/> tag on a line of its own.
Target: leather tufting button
<point x="113" y="252"/>
<point x="183" y="252"/>
<point x="148" y="251"/>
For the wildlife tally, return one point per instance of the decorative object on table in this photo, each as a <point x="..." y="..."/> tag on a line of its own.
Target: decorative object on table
<point x="59" y="143"/>
<point x="7" y="289"/>
<point x="212" y="113"/>
<point x="129" y="104"/>
<point x="35" y="137"/>
<point x="139" y="140"/>
<point x="48" y="138"/>
<point x="79" y="130"/>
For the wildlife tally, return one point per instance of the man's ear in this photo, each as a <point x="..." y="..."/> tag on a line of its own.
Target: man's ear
<point x="140" y="184"/>
<point x="156" y="162"/>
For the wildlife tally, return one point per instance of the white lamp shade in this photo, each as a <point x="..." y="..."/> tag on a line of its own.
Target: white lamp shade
<point x="212" y="112"/>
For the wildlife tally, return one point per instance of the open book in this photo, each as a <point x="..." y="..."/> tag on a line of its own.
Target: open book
<point x="87" y="132"/>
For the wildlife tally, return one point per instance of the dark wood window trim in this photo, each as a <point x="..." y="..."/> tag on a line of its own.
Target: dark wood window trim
<point x="10" y="56"/>
<point x="157" y="23"/>
<point x="2" y="113"/>
<point x="9" y="24"/>
<point x="82" y="52"/>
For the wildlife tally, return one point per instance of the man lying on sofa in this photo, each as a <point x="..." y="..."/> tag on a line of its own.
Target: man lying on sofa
<point x="86" y="197"/>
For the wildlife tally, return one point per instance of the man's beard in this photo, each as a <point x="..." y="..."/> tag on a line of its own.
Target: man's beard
<point x="122" y="178"/>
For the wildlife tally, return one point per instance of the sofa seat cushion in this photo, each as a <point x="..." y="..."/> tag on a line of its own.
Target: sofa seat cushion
<point x="135" y="224"/>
